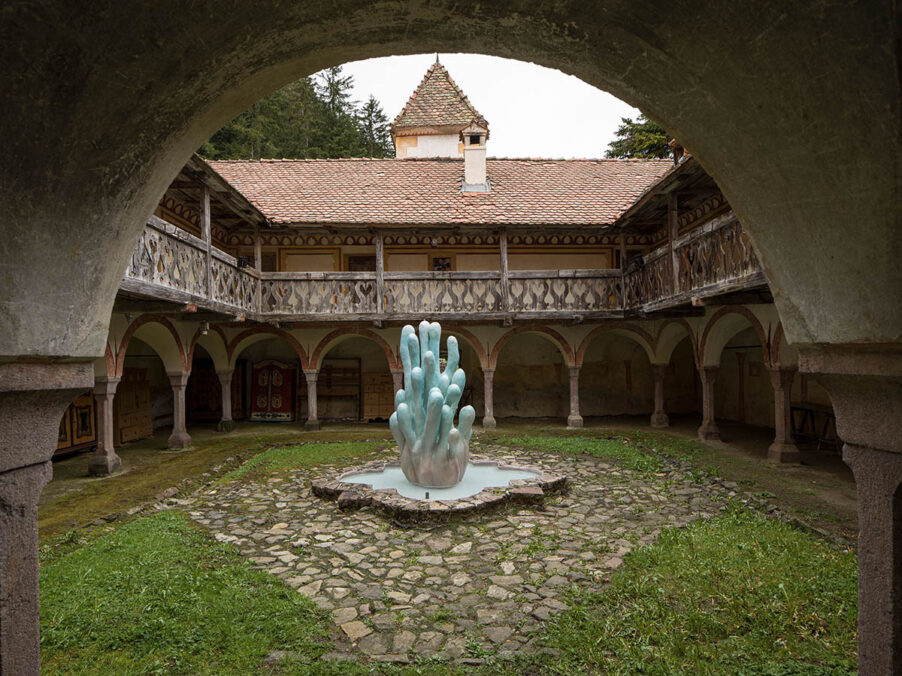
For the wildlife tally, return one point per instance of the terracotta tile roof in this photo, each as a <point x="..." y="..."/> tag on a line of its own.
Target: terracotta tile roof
<point x="427" y="191"/>
<point x="436" y="102"/>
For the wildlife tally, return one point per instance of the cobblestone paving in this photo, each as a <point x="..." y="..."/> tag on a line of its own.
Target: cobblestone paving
<point x="479" y="586"/>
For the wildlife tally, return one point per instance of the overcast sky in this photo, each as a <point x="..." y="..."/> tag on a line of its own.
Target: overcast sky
<point x="532" y="111"/>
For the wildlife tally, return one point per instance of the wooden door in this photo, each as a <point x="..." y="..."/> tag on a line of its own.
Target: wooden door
<point x="272" y="392"/>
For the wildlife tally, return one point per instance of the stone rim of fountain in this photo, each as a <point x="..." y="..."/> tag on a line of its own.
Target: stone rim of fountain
<point x="411" y="511"/>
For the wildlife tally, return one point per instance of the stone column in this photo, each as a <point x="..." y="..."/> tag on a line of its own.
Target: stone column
<point x="659" y="417"/>
<point x="105" y="461"/>
<point x="708" y="429"/>
<point x="488" y="416"/>
<point x="574" y="420"/>
<point x="865" y="388"/>
<point x="179" y="437"/>
<point x="312" y="421"/>
<point x="226" y="424"/>
<point x="782" y="450"/>
<point x="33" y="398"/>
<point x="397" y="376"/>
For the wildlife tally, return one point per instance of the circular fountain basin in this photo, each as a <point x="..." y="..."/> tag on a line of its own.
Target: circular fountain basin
<point x="478" y="476"/>
<point x="486" y="484"/>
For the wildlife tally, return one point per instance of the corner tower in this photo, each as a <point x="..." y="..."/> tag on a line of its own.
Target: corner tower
<point x="432" y="123"/>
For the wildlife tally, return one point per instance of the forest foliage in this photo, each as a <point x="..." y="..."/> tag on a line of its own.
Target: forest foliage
<point x="314" y="117"/>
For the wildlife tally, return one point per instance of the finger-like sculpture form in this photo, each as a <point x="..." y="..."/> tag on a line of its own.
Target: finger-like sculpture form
<point x="434" y="453"/>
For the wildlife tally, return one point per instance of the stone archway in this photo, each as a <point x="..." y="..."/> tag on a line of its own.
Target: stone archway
<point x="98" y="118"/>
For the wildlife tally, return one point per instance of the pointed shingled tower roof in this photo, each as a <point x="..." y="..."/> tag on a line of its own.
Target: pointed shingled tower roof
<point x="437" y="102"/>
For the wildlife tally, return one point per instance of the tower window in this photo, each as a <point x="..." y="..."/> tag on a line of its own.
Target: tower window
<point x="474" y="139"/>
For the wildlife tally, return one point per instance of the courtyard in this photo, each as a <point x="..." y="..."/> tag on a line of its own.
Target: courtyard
<point x="653" y="561"/>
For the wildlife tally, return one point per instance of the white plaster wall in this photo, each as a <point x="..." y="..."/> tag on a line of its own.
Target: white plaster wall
<point x="442" y="145"/>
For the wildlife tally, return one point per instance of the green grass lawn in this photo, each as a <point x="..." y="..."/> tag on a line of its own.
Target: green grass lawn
<point x="736" y="594"/>
<point x="159" y="596"/>
<point x="279" y="458"/>
<point x="638" y="451"/>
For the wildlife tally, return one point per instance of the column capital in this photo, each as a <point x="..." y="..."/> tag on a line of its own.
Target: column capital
<point x="179" y="379"/>
<point x="311" y="375"/>
<point x="782" y="377"/>
<point x="105" y="386"/>
<point x="660" y="370"/>
<point x="574" y="369"/>
<point x="488" y="371"/>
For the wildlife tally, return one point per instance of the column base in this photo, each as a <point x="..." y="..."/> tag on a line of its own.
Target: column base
<point x="489" y="423"/>
<point x="709" y="432"/>
<point x="104" y="464"/>
<point x="784" y="453"/>
<point x="574" y="421"/>
<point x="660" y="419"/>
<point x="178" y="440"/>
<point x="311" y="425"/>
<point x="225" y="426"/>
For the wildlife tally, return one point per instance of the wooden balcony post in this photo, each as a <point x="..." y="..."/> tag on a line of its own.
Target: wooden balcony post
<point x="624" y="303"/>
<point x="207" y="236"/>
<point x="258" y="265"/>
<point x="226" y="424"/>
<point x="505" y="272"/>
<point x="179" y="437"/>
<point x="312" y="421"/>
<point x="673" y="229"/>
<point x="105" y="461"/>
<point x="659" y="417"/>
<point x="380" y="272"/>
<point x="488" y="416"/>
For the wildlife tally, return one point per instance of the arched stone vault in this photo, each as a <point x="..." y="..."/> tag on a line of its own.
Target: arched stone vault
<point x="161" y="335"/>
<point x="635" y="333"/>
<point x="88" y="154"/>
<point x="255" y="335"/>
<point x="340" y="335"/>
<point x="793" y="108"/>
<point x="550" y="334"/>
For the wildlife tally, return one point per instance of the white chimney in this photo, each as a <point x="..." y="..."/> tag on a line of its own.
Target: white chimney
<point x="474" y="139"/>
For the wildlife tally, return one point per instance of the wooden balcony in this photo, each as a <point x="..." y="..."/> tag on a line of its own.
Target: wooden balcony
<point x="172" y="265"/>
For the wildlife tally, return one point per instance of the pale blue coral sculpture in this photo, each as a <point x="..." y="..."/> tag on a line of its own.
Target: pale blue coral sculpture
<point x="434" y="453"/>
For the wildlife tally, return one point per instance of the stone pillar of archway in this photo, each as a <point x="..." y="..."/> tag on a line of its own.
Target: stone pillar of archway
<point x="312" y="423"/>
<point x="226" y="424"/>
<point x="33" y="398"/>
<point x="105" y="460"/>
<point x="488" y="416"/>
<point x="865" y="387"/>
<point x="708" y="430"/>
<point x="574" y="420"/>
<point x="179" y="437"/>
<point x="659" y="417"/>
<point x="783" y="450"/>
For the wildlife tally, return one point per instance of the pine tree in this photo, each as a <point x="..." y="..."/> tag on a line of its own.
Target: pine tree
<point x="642" y="138"/>
<point x="312" y="117"/>
<point x="374" y="126"/>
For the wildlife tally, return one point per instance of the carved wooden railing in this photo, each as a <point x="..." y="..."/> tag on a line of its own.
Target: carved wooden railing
<point x="716" y="253"/>
<point x="443" y="292"/>
<point x="565" y="291"/>
<point x="318" y="293"/>
<point x="651" y="281"/>
<point x="171" y="264"/>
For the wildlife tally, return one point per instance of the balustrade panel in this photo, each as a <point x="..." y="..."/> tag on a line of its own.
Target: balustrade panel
<point x="233" y="286"/>
<point x="445" y="295"/>
<point x="319" y="296"/>
<point x="167" y="261"/>
<point x="721" y="255"/>
<point x="562" y="294"/>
